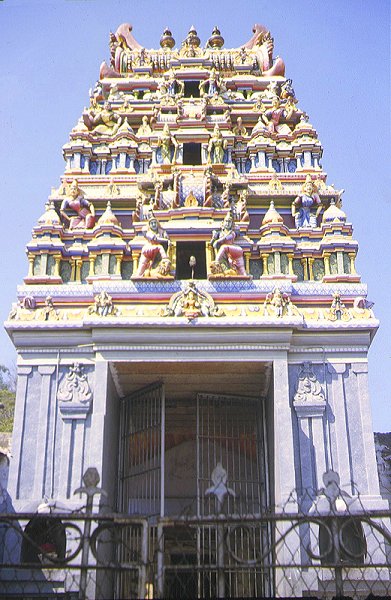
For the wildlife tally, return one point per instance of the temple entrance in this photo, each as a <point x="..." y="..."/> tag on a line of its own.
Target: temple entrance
<point x="188" y="458"/>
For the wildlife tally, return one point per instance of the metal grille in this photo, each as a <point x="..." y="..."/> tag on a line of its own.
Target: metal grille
<point x="141" y="489"/>
<point x="231" y="433"/>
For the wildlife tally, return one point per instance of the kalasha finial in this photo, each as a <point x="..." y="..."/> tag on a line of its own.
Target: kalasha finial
<point x="192" y="38"/>
<point x="216" y="40"/>
<point x="167" y="41"/>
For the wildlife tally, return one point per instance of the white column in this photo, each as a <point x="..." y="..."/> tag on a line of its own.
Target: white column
<point x="365" y="468"/>
<point x="41" y="462"/>
<point x="284" y="466"/>
<point x="338" y="429"/>
<point x="18" y="431"/>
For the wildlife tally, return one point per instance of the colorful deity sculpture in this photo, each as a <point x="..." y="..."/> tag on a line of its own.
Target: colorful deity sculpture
<point x="166" y="142"/>
<point x="75" y="202"/>
<point x="154" y="251"/>
<point x="217" y="145"/>
<point x="102" y="122"/>
<point x="273" y="117"/>
<point x="212" y="83"/>
<point x="307" y="206"/>
<point x="229" y="260"/>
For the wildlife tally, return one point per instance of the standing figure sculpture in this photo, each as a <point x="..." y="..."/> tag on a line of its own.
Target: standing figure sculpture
<point x="217" y="145"/>
<point x="75" y="201"/>
<point x="229" y="260"/>
<point x="165" y="142"/>
<point x="307" y="206"/>
<point x="154" y="251"/>
<point x="212" y="83"/>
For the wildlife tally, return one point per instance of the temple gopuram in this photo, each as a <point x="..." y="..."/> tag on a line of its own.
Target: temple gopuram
<point x="192" y="323"/>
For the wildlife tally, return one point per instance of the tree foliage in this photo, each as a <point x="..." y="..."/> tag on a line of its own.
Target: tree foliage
<point x="7" y="399"/>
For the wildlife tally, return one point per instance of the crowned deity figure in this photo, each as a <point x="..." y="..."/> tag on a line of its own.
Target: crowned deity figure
<point x="239" y="129"/>
<point x="145" y="129"/>
<point x="212" y="83"/>
<point x="102" y="122"/>
<point x="273" y="117"/>
<point x="307" y="206"/>
<point x="82" y="211"/>
<point x="166" y="142"/>
<point x="154" y="251"/>
<point x="229" y="260"/>
<point x="217" y="145"/>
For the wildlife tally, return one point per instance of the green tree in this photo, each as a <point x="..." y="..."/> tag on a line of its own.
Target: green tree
<point x="7" y="399"/>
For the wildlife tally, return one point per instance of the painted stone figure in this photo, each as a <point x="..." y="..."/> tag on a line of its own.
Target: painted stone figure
<point x="82" y="211"/>
<point x="229" y="260"/>
<point x="103" y="122"/>
<point x="154" y="251"/>
<point x="166" y="142"/>
<point x="216" y="146"/>
<point x="307" y="206"/>
<point x="273" y="117"/>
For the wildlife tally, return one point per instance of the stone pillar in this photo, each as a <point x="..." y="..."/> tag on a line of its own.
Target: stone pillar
<point x="352" y="257"/>
<point x="340" y="439"/>
<point x="284" y="465"/>
<point x="18" y="431"/>
<point x="310" y="268"/>
<point x="264" y="264"/>
<point x="290" y="264"/>
<point x="277" y="263"/>
<point x="326" y="258"/>
<point x="340" y="267"/>
<point x="43" y="444"/>
<point x="307" y="157"/>
<point x="310" y="404"/>
<point x="75" y="401"/>
<point x="358" y="409"/>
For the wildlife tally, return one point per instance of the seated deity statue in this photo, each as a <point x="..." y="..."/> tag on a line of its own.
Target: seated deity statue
<point x="82" y="211"/>
<point x="273" y="117"/>
<point x="154" y="252"/>
<point x="307" y="206"/>
<point x="229" y="260"/>
<point x="166" y="142"/>
<point x="217" y="145"/>
<point x="102" y="122"/>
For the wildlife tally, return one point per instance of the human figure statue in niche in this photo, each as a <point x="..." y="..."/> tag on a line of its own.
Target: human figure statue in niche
<point x="173" y="84"/>
<point x="217" y="145"/>
<point x="239" y="129"/>
<point x="165" y="142"/>
<point x="155" y="249"/>
<point x="103" y="122"/>
<point x="75" y="202"/>
<point x="229" y="258"/>
<point x="307" y="206"/>
<point x="212" y="83"/>
<point x="144" y="130"/>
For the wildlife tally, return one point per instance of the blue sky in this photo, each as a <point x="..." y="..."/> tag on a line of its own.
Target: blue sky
<point x="337" y="53"/>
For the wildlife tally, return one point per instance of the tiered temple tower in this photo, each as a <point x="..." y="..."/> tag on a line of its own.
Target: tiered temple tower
<point x="191" y="297"/>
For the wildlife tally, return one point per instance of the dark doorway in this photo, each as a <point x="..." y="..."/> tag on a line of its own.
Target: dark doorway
<point x="192" y="154"/>
<point x="192" y="89"/>
<point x="184" y="250"/>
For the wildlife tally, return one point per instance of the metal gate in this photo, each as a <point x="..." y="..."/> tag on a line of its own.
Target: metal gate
<point x="189" y="559"/>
